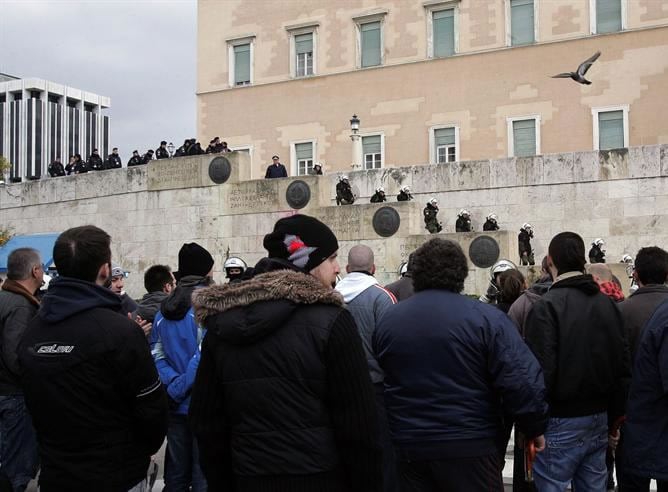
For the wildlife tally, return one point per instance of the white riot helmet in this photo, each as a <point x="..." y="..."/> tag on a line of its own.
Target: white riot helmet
<point x="598" y="242"/>
<point x="463" y="213"/>
<point x="343" y="177"/>
<point x="501" y="266"/>
<point x="405" y="189"/>
<point x="433" y="202"/>
<point x="380" y="189"/>
<point x="527" y="227"/>
<point x="492" y="217"/>
<point x="403" y="268"/>
<point x="234" y="263"/>
<point x="627" y="259"/>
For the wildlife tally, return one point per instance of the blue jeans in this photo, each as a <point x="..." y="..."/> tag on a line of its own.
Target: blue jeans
<point x="182" y="468"/>
<point x="18" y="445"/>
<point x="575" y="451"/>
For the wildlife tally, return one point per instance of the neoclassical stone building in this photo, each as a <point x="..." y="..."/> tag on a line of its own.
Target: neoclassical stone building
<point x="431" y="81"/>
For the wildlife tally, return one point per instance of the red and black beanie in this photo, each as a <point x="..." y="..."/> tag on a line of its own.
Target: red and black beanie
<point x="302" y="240"/>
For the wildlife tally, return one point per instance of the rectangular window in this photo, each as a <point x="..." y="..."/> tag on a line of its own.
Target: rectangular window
<point x="372" y="152"/>
<point x="444" y="32"/>
<point x="370" y="44"/>
<point x="444" y="141"/>
<point x="304" y="53"/>
<point x="524" y="138"/>
<point x="608" y="16"/>
<point x="242" y="64"/>
<point x="304" y="156"/>
<point x="611" y="130"/>
<point x="521" y="22"/>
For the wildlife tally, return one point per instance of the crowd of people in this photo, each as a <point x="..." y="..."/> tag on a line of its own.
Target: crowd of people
<point x="76" y="165"/>
<point x="288" y="378"/>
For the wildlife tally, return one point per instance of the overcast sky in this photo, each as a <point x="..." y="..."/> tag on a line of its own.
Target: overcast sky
<point x="140" y="53"/>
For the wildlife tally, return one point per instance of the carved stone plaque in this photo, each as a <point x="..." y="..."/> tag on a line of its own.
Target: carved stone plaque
<point x="484" y="251"/>
<point x="220" y="169"/>
<point x="298" y="194"/>
<point x="386" y="221"/>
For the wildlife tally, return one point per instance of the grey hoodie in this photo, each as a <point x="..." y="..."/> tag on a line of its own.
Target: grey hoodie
<point x="367" y="301"/>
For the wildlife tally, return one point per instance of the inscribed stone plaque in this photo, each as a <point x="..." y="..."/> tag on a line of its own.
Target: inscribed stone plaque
<point x="386" y="221"/>
<point x="220" y="169"/>
<point x="298" y="194"/>
<point x="250" y="197"/>
<point x="174" y="173"/>
<point x="484" y="251"/>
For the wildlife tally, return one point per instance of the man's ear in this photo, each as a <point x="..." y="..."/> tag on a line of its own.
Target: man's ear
<point x="347" y="268"/>
<point x="373" y="270"/>
<point x="103" y="274"/>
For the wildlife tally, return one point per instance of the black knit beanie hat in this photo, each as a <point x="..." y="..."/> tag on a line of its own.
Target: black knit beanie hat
<point x="194" y="260"/>
<point x="302" y="240"/>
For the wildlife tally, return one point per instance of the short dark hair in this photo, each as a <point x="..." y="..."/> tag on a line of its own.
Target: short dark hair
<point x="20" y="263"/>
<point x="511" y="285"/>
<point x="81" y="251"/>
<point x="115" y="148"/>
<point x="651" y="265"/>
<point x="567" y="250"/>
<point x="156" y="277"/>
<point x="439" y="264"/>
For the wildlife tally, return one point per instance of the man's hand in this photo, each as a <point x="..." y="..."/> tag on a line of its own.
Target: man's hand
<point x="144" y="324"/>
<point x="539" y="443"/>
<point x="613" y="440"/>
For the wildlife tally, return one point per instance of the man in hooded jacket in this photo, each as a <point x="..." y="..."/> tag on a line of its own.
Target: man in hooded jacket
<point x="89" y="382"/>
<point x="175" y="340"/>
<point x="283" y="400"/>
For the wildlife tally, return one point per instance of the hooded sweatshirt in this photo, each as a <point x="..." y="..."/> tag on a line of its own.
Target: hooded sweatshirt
<point x="92" y="390"/>
<point x="367" y="301"/>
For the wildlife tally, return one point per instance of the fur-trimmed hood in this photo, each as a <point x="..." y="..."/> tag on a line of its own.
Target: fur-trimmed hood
<point x="247" y="311"/>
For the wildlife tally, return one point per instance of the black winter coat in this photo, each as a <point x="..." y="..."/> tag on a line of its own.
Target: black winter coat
<point x="114" y="161"/>
<point x="577" y="334"/>
<point x="463" y="225"/>
<point x="524" y="242"/>
<point x="596" y="255"/>
<point x="283" y="398"/>
<point x="490" y="226"/>
<point x="95" y="163"/>
<point x="638" y="308"/>
<point x="56" y="169"/>
<point x="135" y="160"/>
<point x="161" y="153"/>
<point x="92" y="390"/>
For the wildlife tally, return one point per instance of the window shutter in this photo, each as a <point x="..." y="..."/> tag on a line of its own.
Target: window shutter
<point x="370" y="34"/>
<point x="242" y="63"/>
<point x="304" y="150"/>
<point x="371" y="144"/>
<point x="521" y="22"/>
<point x="608" y="16"/>
<point x="304" y="43"/>
<point x="611" y="130"/>
<point x="444" y="32"/>
<point x="524" y="137"/>
<point x="444" y="136"/>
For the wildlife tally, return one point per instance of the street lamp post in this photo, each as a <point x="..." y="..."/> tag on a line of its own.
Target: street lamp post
<point x="357" y="143"/>
<point x="170" y="149"/>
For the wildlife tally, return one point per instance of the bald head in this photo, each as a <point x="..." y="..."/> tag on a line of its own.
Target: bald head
<point x="600" y="271"/>
<point x="360" y="259"/>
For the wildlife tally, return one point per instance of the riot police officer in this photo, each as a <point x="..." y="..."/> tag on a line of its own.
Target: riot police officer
<point x="597" y="251"/>
<point x="234" y="269"/>
<point x="492" y="294"/>
<point x="430" y="217"/>
<point x="491" y="223"/>
<point x="379" y="196"/>
<point x="463" y="223"/>
<point x="344" y="193"/>
<point x="404" y="194"/>
<point x="524" y="242"/>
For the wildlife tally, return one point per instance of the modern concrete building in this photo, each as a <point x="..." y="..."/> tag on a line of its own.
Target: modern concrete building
<point x="431" y="81"/>
<point x="42" y="120"/>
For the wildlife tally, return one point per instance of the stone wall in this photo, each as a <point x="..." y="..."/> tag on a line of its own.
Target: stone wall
<point x="150" y="211"/>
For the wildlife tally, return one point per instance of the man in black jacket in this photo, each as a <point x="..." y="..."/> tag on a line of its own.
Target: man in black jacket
<point x="90" y="384"/>
<point x="95" y="162"/>
<point x="148" y="157"/>
<point x="162" y="152"/>
<point x="18" y="304"/>
<point x="276" y="169"/>
<point x="114" y="159"/>
<point x="135" y="160"/>
<point x="159" y="282"/>
<point x="283" y="399"/>
<point x="56" y="168"/>
<point x="577" y="334"/>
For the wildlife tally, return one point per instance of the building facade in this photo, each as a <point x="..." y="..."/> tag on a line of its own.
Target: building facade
<point x="431" y="81"/>
<point x="41" y="121"/>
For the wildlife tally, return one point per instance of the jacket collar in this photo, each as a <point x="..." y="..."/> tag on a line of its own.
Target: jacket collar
<point x="279" y="285"/>
<point x="15" y="287"/>
<point x="651" y="289"/>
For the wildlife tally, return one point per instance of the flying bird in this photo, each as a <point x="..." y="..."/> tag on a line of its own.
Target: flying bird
<point x="578" y="75"/>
